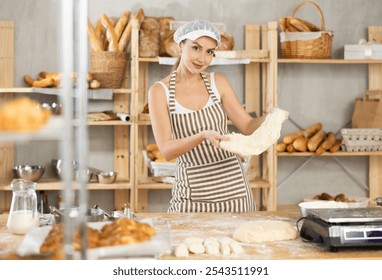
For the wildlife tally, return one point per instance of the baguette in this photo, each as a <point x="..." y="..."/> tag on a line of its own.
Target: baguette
<point x="289" y="138"/>
<point x="121" y="24"/>
<point x="110" y="34"/>
<point x="100" y="32"/>
<point x="95" y="42"/>
<point x="316" y="139"/>
<point x="336" y="146"/>
<point x="281" y="147"/>
<point x="48" y="82"/>
<point x="310" y="131"/>
<point x="330" y="141"/>
<point x="125" y="37"/>
<point x="303" y="25"/>
<point x="300" y="144"/>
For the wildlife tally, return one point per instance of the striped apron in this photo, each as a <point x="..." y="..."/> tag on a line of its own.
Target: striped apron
<point x="207" y="179"/>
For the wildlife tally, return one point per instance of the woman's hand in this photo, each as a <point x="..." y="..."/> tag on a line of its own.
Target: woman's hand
<point x="214" y="137"/>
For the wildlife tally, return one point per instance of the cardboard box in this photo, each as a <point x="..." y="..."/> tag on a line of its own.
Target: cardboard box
<point x="367" y="51"/>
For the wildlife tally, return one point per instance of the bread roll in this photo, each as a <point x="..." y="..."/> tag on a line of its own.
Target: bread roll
<point x="330" y="141"/>
<point x="316" y="139"/>
<point x="281" y="147"/>
<point x="290" y="148"/>
<point x="29" y="80"/>
<point x="289" y="138"/>
<point x="47" y="82"/>
<point x="282" y="23"/>
<point x="300" y="144"/>
<point x="303" y="25"/>
<point x="336" y="146"/>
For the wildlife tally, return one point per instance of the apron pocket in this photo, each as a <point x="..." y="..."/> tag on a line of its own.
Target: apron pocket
<point x="217" y="182"/>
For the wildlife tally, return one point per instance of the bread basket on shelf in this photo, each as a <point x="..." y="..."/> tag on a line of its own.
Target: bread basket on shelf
<point x="307" y="45"/>
<point x="109" y="68"/>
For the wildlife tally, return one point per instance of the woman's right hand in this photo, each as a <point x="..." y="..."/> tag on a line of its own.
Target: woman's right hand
<point x="214" y="137"/>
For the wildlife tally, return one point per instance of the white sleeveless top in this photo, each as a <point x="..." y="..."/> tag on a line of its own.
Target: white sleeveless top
<point x="179" y="109"/>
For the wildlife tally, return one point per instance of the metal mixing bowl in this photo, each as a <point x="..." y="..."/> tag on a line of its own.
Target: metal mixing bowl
<point x="56" y="165"/>
<point x="107" y="177"/>
<point x="28" y="172"/>
<point x="92" y="215"/>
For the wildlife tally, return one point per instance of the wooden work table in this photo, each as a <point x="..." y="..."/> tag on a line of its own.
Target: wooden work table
<point x="223" y="224"/>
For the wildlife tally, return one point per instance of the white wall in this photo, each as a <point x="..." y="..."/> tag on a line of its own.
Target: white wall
<point x="310" y="93"/>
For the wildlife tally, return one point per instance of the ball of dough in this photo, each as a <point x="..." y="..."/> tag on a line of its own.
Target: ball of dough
<point x="212" y="249"/>
<point x="181" y="250"/>
<point x="196" y="248"/>
<point x="265" y="231"/>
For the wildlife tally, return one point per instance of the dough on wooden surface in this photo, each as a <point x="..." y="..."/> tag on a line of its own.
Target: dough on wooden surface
<point x="261" y="139"/>
<point x="265" y="231"/>
<point x="181" y="250"/>
<point x="196" y="248"/>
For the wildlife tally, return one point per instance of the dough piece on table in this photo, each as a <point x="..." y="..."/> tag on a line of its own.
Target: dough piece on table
<point x="212" y="249"/>
<point x="265" y="231"/>
<point x="181" y="250"/>
<point x="210" y="240"/>
<point x="196" y="248"/>
<point x="225" y="249"/>
<point x="226" y="240"/>
<point x="261" y="139"/>
<point x="235" y="247"/>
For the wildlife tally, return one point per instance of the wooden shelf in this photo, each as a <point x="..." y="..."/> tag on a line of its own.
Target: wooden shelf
<point x="328" y="61"/>
<point x="337" y="154"/>
<point x="108" y="123"/>
<point x="54" y="184"/>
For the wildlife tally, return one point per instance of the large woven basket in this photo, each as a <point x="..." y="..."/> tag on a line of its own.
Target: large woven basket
<point x="109" y="68"/>
<point x="307" y="45"/>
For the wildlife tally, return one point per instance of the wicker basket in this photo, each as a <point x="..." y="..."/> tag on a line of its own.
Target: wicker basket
<point x="362" y="139"/>
<point x="307" y="45"/>
<point x="109" y="68"/>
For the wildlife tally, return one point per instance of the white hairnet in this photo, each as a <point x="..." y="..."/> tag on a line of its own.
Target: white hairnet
<point x="197" y="28"/>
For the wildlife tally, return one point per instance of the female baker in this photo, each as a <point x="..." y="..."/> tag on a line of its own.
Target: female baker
<point x="188" y="111"/>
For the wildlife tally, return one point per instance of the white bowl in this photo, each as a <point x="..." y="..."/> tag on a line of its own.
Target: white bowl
<point x="319" y="204"/>
<point x="356" y="202"/>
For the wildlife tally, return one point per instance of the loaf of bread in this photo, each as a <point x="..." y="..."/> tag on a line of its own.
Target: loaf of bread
<point x="164" y="28"/>
<point x="169" y="45"/>
<point x="23" y="114"/>
<point x="227" y="42"/>
<point x="149" y="37"/>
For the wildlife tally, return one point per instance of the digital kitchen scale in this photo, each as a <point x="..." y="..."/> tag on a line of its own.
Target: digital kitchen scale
<point x="343" y="227"/>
